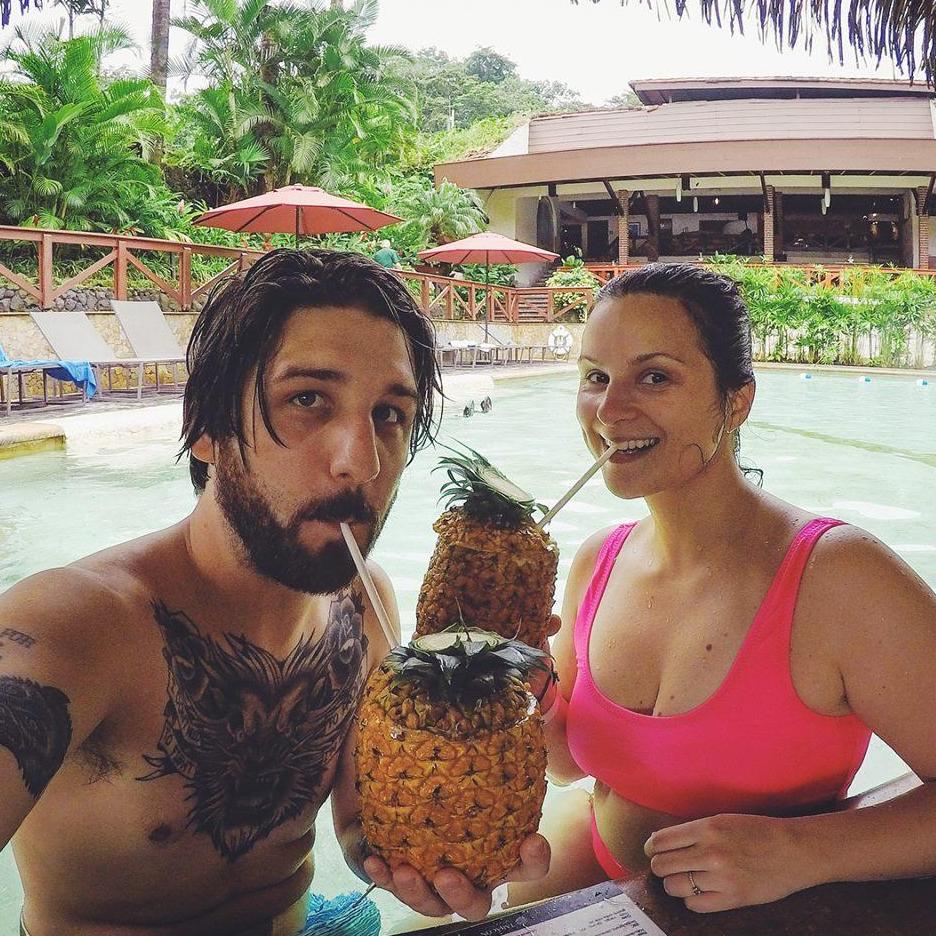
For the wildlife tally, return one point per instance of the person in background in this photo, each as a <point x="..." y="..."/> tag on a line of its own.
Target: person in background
<point x="386" y="256"/>
<point x="723" y="661"/>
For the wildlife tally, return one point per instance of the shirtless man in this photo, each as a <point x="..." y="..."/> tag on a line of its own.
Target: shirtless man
<point x="175" y="710"/>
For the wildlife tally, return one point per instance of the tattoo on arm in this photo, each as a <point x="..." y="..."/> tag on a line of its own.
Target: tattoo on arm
<point x="17" y="637"/>
<point x="35" y="727"/>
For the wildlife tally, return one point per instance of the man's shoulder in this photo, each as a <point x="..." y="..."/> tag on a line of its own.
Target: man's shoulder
<point x="102" y="591"/>
<point x="64" y="599"/>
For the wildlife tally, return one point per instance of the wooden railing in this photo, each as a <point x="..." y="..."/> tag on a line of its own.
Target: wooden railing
<point x="439" y="297"/>
<point x="122" y="254"/>
<point x="446" y="298"/>
<point x="828" y="274"/>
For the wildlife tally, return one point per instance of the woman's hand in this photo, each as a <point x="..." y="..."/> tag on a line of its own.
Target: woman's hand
<point x="450" y="891"/>
<point x="734" y="861"/>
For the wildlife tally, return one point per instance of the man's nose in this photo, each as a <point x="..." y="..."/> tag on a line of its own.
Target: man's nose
<point x="353" y="450"/>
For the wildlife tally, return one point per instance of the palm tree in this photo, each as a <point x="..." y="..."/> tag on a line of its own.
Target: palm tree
<point x="873" y="28"/>
<point x="79" y="144"/>
<point x="335" y="107"/>
<point x="76" y="8"/>
<point x="159" y="44"/>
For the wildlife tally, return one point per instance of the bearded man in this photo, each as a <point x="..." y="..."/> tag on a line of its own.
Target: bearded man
<point x="174" y="711"/>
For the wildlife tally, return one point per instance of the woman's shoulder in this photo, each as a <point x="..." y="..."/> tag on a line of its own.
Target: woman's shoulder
<point x="587" y="553"/>
<point x="853" y="578"/>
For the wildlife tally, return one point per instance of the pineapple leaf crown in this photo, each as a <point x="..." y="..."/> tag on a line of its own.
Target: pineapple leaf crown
<point x="464" y="665"/>
<point x="484" y="493"/>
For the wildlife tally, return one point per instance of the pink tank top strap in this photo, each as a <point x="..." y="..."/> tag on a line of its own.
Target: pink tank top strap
<point x="780" y="601"/>
<point x="596" y="587"/>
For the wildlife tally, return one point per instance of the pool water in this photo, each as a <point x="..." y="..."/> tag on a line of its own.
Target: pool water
<point x="864" y="452"/>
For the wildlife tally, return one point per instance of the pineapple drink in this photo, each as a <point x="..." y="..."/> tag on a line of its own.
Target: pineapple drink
<point x="492" y="566"/>
<point x="450" y="759"/>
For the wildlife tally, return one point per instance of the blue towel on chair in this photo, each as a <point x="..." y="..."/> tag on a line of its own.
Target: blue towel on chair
<point x="78" y="372"/>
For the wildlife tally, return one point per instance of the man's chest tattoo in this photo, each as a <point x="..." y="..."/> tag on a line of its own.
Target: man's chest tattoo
<point x="252" y="735"/>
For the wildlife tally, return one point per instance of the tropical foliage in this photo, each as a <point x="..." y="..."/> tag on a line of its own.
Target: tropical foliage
<point x="574" y="273"/>
<point x="861" y="315"/>
<point x="75" y="146"/>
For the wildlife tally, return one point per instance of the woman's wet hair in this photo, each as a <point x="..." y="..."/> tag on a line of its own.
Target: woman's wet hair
<point x="241" y="326"/>
<point x="719" y="314"/>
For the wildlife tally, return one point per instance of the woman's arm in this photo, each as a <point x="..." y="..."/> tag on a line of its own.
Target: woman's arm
<point x="878" y="622"/>
<point x="562" y="768"/>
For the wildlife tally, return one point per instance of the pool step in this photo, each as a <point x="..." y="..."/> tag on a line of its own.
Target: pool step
<point x="26" y="437"/>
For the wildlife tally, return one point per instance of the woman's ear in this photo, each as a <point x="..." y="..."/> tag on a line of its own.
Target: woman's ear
<point x="204" y="450"/>
<point x="741" y="402"/>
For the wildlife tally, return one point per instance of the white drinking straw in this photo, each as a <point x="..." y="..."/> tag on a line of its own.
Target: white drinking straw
<point x="369" y="585"/>
<point x="575" y="487"/>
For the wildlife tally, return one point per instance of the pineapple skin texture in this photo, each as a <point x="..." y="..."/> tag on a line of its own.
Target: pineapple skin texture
<point x="491" y="577"/>
<point x="463" y="799"/>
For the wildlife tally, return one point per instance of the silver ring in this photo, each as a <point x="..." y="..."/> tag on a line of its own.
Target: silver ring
<point x="696" y="890"/>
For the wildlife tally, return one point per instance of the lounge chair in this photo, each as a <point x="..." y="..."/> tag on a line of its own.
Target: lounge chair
<point x="79" y="373"/>
<point x="498" y="345"/>
<point x="73" y="337"/>
<point x="458" y="348"/>
<point x="149" y="334"/>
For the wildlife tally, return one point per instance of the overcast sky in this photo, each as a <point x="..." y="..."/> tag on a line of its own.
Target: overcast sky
<point x="594" y="48"/>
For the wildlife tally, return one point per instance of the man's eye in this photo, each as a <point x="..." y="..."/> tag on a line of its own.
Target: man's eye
<point x="654" y="378"/>
<point x="389" y="414"/>
<point x="308" y="399"/>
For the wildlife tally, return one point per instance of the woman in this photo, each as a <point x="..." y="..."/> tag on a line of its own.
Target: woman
<point x="723" y="661"/>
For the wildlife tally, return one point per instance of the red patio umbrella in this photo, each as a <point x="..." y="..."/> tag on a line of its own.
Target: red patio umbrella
<point x="487" y="248"/>
<point x="303" y="209"/>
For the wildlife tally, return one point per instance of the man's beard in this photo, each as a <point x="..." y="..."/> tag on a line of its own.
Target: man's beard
<point x="275" y="549"/>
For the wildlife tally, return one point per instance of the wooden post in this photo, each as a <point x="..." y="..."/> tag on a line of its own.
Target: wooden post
<point x="46" y="283"/>
<point x="424" y="294"/>
<point x="120" y="271"/>
<point x="779" y="248"/>
<point x="185" y="278"/>
<point x="653" y="227"/>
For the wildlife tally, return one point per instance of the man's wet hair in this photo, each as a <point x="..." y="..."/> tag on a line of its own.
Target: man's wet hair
<point x="241" y="326"/>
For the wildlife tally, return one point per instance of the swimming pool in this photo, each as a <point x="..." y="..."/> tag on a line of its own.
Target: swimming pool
<point x="865" y="452"/>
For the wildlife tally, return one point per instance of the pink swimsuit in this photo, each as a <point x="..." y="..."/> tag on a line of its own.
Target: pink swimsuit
<point x="752" y="747"/>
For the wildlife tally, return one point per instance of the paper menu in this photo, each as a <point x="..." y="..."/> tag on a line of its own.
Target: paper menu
<point x="604" y="910"/>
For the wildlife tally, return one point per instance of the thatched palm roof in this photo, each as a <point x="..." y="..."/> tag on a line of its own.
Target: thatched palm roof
<point x="904" y="30"/>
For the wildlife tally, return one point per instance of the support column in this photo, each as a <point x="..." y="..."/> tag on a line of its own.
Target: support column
<point x="623" y="219"/>
<point x="768" y="224"/>
<point x="779" y="245"/>
<point x="653" y="227"/>
<point x="923" y="229"/>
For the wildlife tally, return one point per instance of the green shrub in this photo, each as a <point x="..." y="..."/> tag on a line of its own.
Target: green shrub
<point x="574" y="273"/>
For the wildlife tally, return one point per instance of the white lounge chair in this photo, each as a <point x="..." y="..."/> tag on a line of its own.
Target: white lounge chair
<point x="149" y="334"/>
<point x="74" y="338"/>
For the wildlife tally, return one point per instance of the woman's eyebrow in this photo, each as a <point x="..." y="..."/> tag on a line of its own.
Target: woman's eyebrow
<point x="639" y="359"/>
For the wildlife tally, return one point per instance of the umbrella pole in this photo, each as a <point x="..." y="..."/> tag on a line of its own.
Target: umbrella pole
<point x="487" y="296"/>
<point x="297" y="228"/>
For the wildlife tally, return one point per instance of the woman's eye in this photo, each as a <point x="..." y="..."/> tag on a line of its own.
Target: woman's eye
<point x="596" y="377"/>
<point x="307" y="399"/>
<point x="389" y="414"/>
<point x="654" y="378"/>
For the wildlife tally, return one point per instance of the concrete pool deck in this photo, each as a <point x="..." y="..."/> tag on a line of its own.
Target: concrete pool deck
<point x="40" y="429"/>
